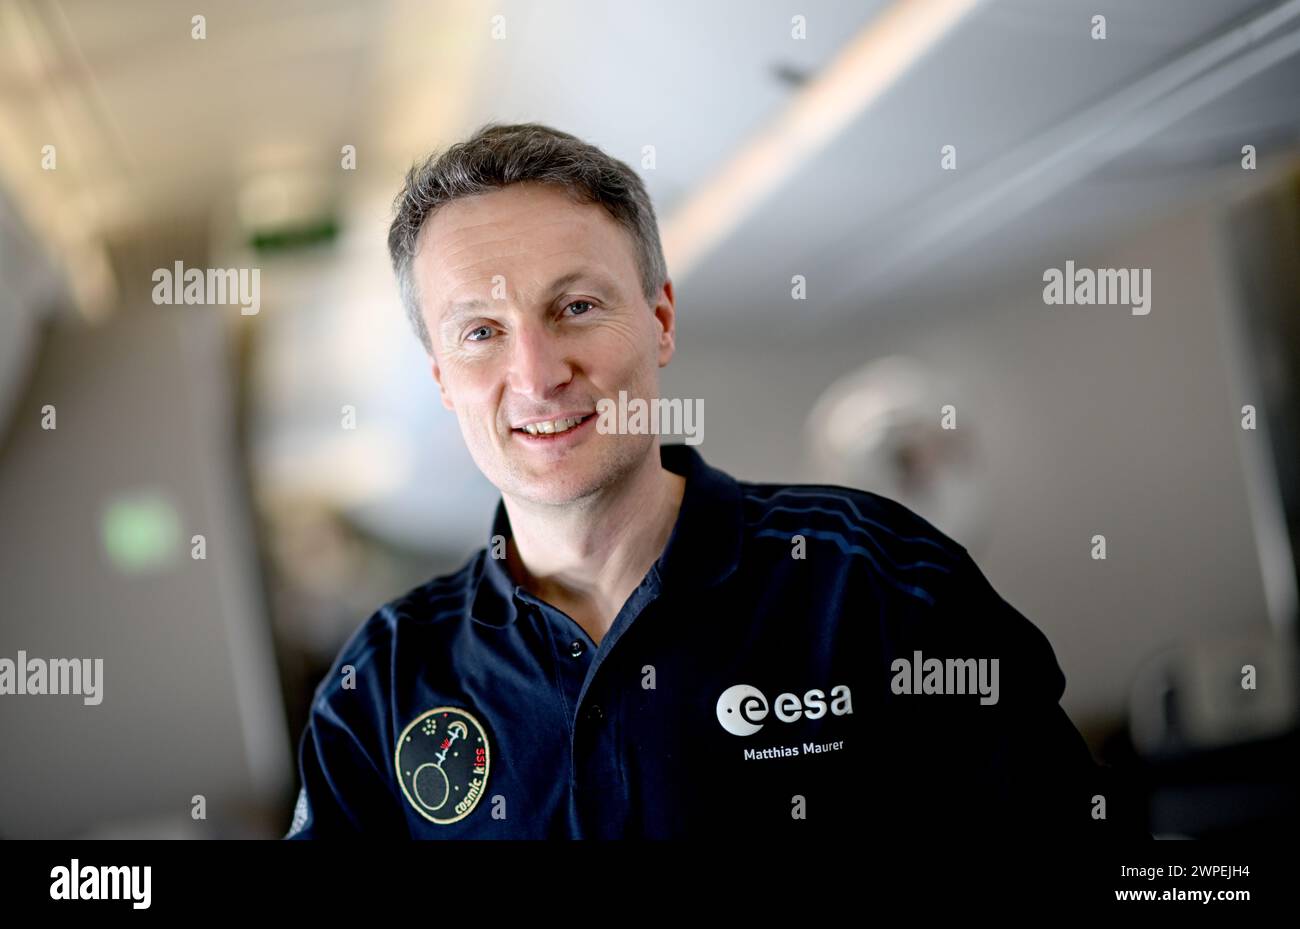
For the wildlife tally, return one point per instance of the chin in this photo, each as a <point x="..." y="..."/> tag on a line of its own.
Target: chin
<point x="559" y="487"/>
<point x="556" y="491"/>
<point x="571" y="480"/>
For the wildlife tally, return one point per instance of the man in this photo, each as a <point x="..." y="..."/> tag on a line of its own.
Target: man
<point x="648" y="647"/>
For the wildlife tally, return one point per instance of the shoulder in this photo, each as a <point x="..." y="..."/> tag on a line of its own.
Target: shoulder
<point x="856" y="521"/>
<point x="368" y="650"/>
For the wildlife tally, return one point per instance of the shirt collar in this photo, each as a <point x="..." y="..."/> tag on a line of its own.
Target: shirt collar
<point x="703" y="550"/>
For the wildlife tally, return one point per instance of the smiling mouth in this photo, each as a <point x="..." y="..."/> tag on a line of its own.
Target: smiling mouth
<point x="554" y="427"/>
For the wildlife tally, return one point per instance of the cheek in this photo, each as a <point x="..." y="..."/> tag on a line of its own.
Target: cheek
<point x="634" y="364"/>
<point x="465" y="371"/>
<point x="472" y="386"/>
<point x="628" y="343"/>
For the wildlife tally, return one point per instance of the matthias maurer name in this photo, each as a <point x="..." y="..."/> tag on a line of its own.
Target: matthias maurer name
<point x="786" y="751"/>
<point x="35" y="676"/>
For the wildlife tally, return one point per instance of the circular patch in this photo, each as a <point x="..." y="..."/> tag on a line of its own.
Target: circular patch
<point x="442" y="763"/>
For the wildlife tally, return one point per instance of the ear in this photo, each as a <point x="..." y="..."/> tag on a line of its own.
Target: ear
<point x="666" y="316"/>
<point x="442" y="387"/>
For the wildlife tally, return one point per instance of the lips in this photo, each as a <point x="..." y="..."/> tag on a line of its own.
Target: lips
<point x="568" y="428"/>
<point x="557" y="426"/>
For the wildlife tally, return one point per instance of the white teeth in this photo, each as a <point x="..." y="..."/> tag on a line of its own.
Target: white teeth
<point x="550" y="427"/>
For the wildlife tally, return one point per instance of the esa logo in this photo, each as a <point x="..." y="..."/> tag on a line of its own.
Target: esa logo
<point x="742" y="708"/>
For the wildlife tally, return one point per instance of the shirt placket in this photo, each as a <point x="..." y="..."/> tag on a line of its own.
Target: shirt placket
<point x="599" y="775"/>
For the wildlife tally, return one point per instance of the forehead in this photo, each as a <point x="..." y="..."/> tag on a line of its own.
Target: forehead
<point x="524" y="231"/>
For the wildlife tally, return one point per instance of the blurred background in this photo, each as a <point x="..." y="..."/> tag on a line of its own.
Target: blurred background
<point x="777" y="141"/>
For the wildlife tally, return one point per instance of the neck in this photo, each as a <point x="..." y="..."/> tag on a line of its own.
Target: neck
<point x="587" y="559"/>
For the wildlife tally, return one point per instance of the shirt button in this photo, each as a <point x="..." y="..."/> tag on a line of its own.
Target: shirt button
<point x="595" y="713"/>
<point x="576" y="648"/>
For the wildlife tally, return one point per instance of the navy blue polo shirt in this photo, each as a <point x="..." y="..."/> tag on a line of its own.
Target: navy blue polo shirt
<point x="802" y="660"/>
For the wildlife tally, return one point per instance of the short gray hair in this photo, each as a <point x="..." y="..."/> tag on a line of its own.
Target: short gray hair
<point x="501" y="154"/>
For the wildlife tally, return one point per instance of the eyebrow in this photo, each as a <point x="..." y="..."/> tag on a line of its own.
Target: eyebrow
<point x="466" y="309"/>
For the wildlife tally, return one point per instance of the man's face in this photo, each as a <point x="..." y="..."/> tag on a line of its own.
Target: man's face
<point x="535" y="312"/>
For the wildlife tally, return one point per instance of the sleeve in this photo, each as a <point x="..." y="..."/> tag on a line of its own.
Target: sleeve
<point x="1016" y="763"/>
<point x="343" y="792"/>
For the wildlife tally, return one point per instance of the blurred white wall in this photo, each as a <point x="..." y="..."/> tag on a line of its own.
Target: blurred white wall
<point x="140" y="461"/>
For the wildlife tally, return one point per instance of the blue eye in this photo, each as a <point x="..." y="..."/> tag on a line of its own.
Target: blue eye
<point x="479" y="329"/>
<point x="580" y="302"/>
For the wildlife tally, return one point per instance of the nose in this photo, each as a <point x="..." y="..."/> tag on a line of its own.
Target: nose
<point x="538" y="369"/>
